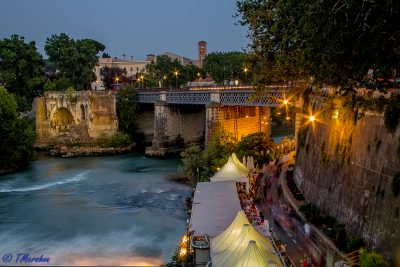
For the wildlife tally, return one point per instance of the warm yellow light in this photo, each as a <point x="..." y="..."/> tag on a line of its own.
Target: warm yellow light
<point x="247" y="116"/>
<point x="198" y="74"/>
<point x="335" y="114"/>
<point x="278" y="113"/>
<point x="142" y="77"/>
<point x="287" y="118"/>
<point x="285" y="102"/>
<point x="183" y="252"/>
<point x="176" y="73"/>
<point x="184" y="239"/>
<point x="165" y="77"/>
<point x="245" y="70"/>
<point x="312" y="118"/>
<point x="116" y="79"/>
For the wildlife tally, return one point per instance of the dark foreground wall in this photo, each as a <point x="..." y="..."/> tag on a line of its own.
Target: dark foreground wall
<point x="346" y="167"/>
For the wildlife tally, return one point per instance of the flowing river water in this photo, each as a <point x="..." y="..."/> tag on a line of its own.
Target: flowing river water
<point x="116" y="210"/>
<point x="113" y="210"/>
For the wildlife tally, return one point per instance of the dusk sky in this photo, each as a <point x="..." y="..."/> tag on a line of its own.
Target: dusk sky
<point x="134" y="28"/>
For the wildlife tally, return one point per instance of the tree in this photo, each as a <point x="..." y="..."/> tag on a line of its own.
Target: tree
<point x="229" y="66"/>
<point x="127" y="110"/>
<point x="194" y="164"/>
<point x="21" y="68"/>
<point x="221" y="146"/>
<point x="166" y="72"/>
<point x="371" y="259"/>
<point x="75" y="60"/>
<point x="16" y="135"/>
<point x="255" y="145"/>
<point x="113" y="75"/>
<point x="334" y="42"/>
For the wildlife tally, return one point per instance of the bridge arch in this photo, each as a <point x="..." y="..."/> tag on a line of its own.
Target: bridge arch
<point x="62" y="119"/>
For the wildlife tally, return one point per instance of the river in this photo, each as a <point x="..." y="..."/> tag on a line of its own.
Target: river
<point x="116" y="210"/>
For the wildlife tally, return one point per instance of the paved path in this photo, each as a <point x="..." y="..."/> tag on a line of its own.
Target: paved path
<point x="285" y="223"/>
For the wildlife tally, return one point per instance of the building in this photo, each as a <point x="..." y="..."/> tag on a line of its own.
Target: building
<point x="132" y="67"/>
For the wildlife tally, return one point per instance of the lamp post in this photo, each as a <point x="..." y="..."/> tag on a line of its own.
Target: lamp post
<point x="176" y="78"/>
<point x="245" y="70"/>
<point x="142" y="78"/>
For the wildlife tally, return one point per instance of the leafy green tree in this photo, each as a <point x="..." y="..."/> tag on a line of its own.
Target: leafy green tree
<point x="227" y="67"/>
<point x="166" y="72"/>
<point x="74" y="59"/>
<point x="113" y="75"/>
<point x="256" y="145"/>
<point x="127" y="110"/>
<point x="21" y="68"/>
<point x="16" y="134"/>
<point x="221" y="146"/>
<point x="371" y="259"/>
<point x="334" y="42"/>
<point x="194" y="164"/>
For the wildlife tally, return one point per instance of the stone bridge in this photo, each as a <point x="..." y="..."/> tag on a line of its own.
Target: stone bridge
<point x="80" y="116"/>
<point x="175" y="118"/>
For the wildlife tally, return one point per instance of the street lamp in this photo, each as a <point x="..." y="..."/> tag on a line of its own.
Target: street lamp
<point x="176" y="73"/>
<point x="142" y="78"/>
<point x="311" y="118"/>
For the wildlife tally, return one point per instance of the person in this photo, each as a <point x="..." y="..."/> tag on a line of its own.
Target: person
<point x="307" y="229"/>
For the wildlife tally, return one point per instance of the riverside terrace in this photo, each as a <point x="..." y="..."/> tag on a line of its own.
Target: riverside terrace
<point x="172" y="119"/>
<point x="226" y="228"/>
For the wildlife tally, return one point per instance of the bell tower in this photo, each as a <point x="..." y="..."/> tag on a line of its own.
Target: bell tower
<point x="202" y="52"/>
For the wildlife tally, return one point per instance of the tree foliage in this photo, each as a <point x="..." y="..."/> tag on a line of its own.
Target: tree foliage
<point x="20" y="67"/>
<point x="75" y="59"/>
<point x="127" y="110"/>
<point x="194" y="164"/>
<point x="335" y="42"/>
<point x="228" y="67"/>
<point x="165" y="72"/>
<point x="256" y="145"/>
<point x="371" y="259"/>
<point x="16" y="134"/>
<point x="113" y="75"/>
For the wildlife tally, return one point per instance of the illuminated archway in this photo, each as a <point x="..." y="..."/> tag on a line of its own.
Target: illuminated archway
<point x="62" y="119"/>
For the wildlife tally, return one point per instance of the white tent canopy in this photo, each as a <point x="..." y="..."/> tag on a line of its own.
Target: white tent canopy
<point x="231" y="172"/>
<point x="231" y="234"/>
<point x="215" y="205"/>
<point x="240" y="165"/>
<point x="233" y="247"/>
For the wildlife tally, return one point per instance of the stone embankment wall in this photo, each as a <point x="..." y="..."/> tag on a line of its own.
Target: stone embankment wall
<point x="345" y="164"/>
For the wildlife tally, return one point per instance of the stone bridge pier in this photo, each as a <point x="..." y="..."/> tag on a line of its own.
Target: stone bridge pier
<point x="176" y="127"/>
<point x="179" y="125"/>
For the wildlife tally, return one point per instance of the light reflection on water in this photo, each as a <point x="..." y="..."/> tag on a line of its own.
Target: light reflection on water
<point x="93" y="211"/>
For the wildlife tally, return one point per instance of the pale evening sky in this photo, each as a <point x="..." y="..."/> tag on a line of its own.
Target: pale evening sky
<point x="131" y="27"/>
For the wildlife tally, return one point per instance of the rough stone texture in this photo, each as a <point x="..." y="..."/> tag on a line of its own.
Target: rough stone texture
<point x="347" y="170"/>
<point x="145" y="122"/>
<point x="176" y="127"/>
<point x="79" y="117"/>
<point x="238" y="120"/>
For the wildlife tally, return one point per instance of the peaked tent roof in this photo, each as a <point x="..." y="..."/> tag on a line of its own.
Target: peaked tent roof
<point x="254" y="257"/>
<point x="234" y="253"/>
<point x="230" y="171"/>
<point x="240" y="165"/>
<point x="231" y="234"/>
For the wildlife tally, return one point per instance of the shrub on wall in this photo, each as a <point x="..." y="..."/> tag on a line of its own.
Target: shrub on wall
<point x="372" y="259"/>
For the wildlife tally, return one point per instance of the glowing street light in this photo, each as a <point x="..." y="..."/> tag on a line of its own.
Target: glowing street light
<point x="285" y="102"/>
<point x="311" y="118"/>
<point x="176" y="73"/>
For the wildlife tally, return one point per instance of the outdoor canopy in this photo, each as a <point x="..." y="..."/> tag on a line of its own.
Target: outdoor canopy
<point x="215" y="206"/>
<point x="231" y="172"/>
<point x="248" y="249"/>
<point x="240" y="165"/>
